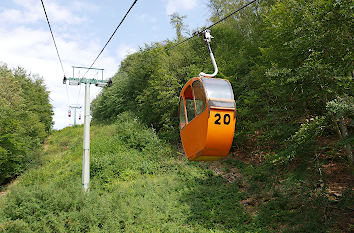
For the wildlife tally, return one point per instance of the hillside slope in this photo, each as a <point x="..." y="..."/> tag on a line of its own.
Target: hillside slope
<point x="140" y="184"/>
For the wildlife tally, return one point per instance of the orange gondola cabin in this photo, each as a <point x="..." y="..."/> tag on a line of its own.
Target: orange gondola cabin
<point x="207" y="118"/>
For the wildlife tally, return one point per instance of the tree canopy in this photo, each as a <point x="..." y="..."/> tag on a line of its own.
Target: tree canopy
<point x="286" y="60"/>
<point x="25" y="120"/>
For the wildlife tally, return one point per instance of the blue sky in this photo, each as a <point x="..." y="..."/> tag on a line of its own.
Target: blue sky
<point x="81" y="28"/>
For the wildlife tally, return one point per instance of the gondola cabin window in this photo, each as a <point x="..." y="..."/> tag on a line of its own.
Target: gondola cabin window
<point x="189" y="99"/>
<point x="218" y="88"/>
<point x="182" y="115"/>
<point x="199" y="97"/>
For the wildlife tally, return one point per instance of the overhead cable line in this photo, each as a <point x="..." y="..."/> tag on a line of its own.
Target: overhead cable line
<point x="112" y="35"/>
<point x="199" y="32"/>
<point x="56" y="48"/>
<point x="51" y="32"/>
<point x="234" y="12"/>
<point x="185" y="40"/>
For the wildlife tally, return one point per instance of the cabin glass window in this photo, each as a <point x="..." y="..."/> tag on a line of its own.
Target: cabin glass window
<point x="188" y="96"/>
<point x="199" y="97"/>
<point x="182" y="117"/>
<point x="218" y="88"/>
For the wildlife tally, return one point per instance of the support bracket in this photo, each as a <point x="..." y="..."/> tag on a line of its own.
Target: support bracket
<point x="207" y="38"/>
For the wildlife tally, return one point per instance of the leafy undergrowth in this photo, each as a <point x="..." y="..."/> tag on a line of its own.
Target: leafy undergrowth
<point x="305" y="196"/>
<point x="140" y="184"/>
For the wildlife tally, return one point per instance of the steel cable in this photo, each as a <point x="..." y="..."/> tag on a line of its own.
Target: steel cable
<point x="126" y="14"/>
<point x="197" y="33"/>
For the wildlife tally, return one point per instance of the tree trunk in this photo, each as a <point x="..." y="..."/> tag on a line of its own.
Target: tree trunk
<point x="348" y="148"/>
<point x="335" y="124"/>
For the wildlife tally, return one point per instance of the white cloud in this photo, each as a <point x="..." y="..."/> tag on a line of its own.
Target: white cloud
<point x="25" y="41"/>
<point x="175" y="5"/>
<point x="30" y="11"/>
<point x="61" y="14"/>
<point x="10" y="15"/>
<point x="125" y="50"/>
<point x="33" y="50"/>
<point x="84" y="6"/>
<point x="147" y="18"/>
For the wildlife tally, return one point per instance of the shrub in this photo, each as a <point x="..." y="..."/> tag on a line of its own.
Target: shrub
<point x="302" y="142"/>
<point x="25" y="121"/>
<point x="132" y="151"/>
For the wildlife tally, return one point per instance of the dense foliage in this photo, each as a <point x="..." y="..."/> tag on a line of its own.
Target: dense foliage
<point x="138" y="184"/>
<point x="25" y="120"/>
<point x="285" y="59"/>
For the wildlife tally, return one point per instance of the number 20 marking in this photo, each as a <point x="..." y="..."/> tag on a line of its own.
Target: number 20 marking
<point x="227" y="119"/>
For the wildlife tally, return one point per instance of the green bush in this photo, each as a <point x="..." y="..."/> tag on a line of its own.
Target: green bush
<point x="67" y="209"/>
<point x="25" y="121"/>
<point x="133" y="133"/>
<point x="133" y="150"/>
<point x="302" y="143"/>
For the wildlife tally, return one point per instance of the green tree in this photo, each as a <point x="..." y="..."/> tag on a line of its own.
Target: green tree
<point x="285" y="60"/>
<point x="25" y="121"/>
<point x="177" y="21"/>
<point x="343" y="110"/>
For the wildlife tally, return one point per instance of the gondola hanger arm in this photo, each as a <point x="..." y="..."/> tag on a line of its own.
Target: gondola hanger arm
<point x="207" y="38"/>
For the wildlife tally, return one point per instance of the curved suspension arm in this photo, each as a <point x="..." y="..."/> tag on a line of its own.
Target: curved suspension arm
<point x="202" y="74"/>
<point x="207" y="39"/>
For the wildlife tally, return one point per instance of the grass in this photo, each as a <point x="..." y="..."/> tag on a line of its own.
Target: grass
<point x="140" y="184"/>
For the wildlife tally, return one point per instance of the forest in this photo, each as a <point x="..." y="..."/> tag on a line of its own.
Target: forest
<point x="290" y="64"/>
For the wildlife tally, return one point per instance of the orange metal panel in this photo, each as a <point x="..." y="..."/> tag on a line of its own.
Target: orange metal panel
<point x="194" y="135"/>
<point x="221" y="128"/>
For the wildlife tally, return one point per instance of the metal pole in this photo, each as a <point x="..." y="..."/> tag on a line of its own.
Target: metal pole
<point x="74" y="116"/>
<point x="86" y="154"/>
<point x="87" y="119"/>
<point x="75" y="109"/>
